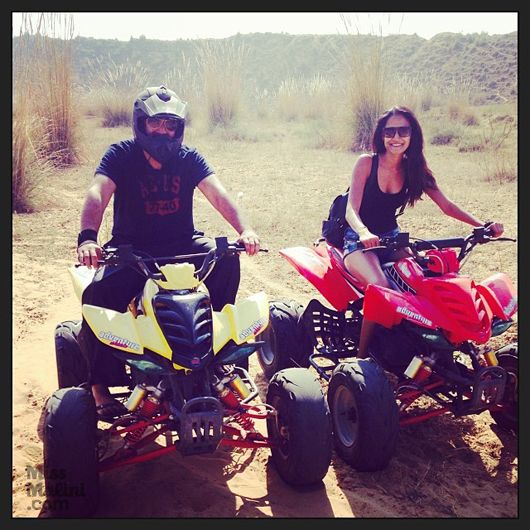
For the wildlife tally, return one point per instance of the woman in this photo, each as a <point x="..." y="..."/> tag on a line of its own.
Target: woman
<point x="394" y="175"/>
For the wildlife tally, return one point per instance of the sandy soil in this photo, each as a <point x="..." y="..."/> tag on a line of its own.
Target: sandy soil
<point x="447" y="467"/>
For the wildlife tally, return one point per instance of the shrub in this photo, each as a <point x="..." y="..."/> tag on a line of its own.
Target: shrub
<point x="221" y="63"/>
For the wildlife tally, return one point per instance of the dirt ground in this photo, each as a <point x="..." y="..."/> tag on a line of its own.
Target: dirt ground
<point x="444" y="468"/>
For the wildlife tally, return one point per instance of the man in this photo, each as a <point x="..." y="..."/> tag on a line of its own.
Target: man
<point x="152" y="178"/>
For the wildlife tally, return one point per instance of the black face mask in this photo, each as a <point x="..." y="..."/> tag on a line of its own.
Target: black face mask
<point x="160" y="146"/>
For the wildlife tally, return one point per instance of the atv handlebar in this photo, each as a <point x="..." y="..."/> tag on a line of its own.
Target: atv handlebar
<point x="478" y="236"/>
<point x="126" y="255"/>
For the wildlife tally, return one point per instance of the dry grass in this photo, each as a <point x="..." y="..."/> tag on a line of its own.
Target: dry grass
<point x="221" y="64"/>
<point x="367" y="81"/>
<point x="183" y="79"/>
<point x="112" y="89"/>
<point x="44" y="117"/>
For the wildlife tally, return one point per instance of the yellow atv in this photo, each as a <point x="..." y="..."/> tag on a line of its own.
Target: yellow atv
<point x="181" y="385"/>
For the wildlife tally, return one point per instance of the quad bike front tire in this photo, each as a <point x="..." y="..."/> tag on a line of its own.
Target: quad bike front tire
<point x="364" y="413"/>
<point x="287" y="344"/>
<point x="507" y="416"/>
<point x="301" y="430"/>
<point x="72" y="367"/>
<point x="70" y="454"/>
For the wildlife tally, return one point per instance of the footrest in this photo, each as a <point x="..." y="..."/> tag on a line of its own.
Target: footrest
<point x="201" y="426"/>
<point x="488" y="390"/>
<point x="331" y="330"/>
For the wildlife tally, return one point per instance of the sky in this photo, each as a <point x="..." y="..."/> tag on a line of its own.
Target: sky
<point x="179" y="25"/>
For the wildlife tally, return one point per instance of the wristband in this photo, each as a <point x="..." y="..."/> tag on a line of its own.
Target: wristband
<point x="87" y="235"/>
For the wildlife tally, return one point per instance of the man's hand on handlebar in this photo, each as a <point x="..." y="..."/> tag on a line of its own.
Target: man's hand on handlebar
<point x="88" y="253"/>
<point x="250" y="239"/>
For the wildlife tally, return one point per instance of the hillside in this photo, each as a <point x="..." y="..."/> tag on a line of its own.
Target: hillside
<point x="486" y="62"/>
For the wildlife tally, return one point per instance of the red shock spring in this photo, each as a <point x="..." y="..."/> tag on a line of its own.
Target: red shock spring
<point x="242" y="419"/>
<point x="148" y="410"/>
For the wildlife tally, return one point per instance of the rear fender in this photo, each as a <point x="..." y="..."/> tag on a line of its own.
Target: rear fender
<point x="81" y="277"/>
<point x="323" y="274"/>
<point x="499" y="293"/>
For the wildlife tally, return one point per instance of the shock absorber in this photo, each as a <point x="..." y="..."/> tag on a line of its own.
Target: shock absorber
<point x="239" y="386"/>
<point x="226" y="396"/>
<point x="147" y="410"/>
<point x="418" y="370"/>
<point x="244" y="421"/>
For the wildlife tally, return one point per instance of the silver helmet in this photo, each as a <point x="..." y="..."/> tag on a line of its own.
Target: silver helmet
<point x="162" y="103"/>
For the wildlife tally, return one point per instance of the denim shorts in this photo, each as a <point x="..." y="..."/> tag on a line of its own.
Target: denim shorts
<point x="351" y="243"/>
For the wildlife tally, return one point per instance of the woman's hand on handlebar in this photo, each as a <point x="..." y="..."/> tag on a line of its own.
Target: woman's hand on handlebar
<point x="250" y="239"/>
<point x="88" y="253"/>
<point x="494" y="229"/>
<point x="368" y="239"/>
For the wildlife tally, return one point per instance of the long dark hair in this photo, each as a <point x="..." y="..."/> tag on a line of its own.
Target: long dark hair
<point x="418" y="176"/>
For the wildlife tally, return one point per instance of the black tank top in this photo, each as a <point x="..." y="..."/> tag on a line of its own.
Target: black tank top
<point x="378" y="209"/>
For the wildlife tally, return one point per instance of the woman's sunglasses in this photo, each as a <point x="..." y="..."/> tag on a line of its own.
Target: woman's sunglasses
<point x="389" y="132"/>
<point x="171" y="124"/>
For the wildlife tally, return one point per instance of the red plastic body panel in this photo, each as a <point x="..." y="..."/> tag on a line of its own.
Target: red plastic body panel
<point x="317" y="269"/>
<point x="500" y="294"/>
<point x="450" y="302"/>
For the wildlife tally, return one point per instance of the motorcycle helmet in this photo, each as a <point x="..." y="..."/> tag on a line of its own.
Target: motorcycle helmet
<point x="162" y="103"/>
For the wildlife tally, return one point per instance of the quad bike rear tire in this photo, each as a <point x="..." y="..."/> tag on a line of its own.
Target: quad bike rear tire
<point x="72" y="367"/>
<point x="507" y="418"/>
<point x="302" y="428"/>
<point x="70" y="454"/>
<point x="364" y="413"/>
<point x="287" y="343"/>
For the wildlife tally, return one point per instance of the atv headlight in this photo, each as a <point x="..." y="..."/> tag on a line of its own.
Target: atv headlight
<point x="499" y="326"/>
<point x="436" y="339"/>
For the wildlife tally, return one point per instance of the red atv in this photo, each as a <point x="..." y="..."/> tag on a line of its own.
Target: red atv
<point x="430" y="340"/>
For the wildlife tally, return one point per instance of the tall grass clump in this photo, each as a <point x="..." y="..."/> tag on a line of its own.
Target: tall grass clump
<point x="366" y="76"/>
<point x="43" y="120"/>
<point x="500" y="143"/>
<point x="46" y="45"/>
<point x="183" y="79"/>
<point x="221" y="64"/>
<point x="29" y="168"/>
<point x="113" y="87"/>
<point x="288" y="99"/>
<point x="304" y="98"/>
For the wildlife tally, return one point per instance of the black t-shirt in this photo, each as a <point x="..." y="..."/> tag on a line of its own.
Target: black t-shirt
<point x="153" y="209"/>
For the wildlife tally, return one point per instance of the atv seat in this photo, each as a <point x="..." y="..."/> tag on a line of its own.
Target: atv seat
<point x="337" y="256"/>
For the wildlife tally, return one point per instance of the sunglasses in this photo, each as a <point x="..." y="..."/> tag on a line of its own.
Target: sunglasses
<point x="171" y="124"/>
<point x="389" y="132"/>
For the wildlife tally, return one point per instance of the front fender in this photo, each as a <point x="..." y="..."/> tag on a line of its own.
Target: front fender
<point x="125" y="332"/>
<point x="499" y="293"/>
<point x="321" y="272"/>
<point x="240" y="322"/>
<point x="388" y="308"/>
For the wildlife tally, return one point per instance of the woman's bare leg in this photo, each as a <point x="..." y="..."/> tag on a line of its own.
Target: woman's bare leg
<point x="366" y="268"/>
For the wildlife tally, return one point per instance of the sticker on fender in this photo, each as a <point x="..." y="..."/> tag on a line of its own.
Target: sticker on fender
<point x="415" y="316"/>
<point x="118" y="341"/>
<point x="252" y="329"/>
